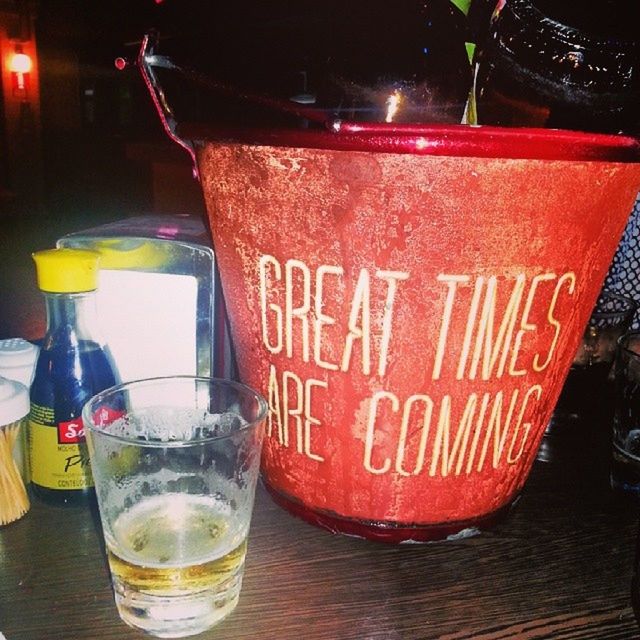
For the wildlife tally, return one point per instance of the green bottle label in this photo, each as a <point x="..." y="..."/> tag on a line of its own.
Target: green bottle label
<point x="471" y="50"/>
<point x="463" y="5"/>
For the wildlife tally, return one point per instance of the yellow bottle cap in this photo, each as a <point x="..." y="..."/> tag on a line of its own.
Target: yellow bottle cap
<point x="67" y="270"/>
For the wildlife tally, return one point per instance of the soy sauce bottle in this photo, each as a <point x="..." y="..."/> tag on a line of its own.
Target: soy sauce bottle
<point x="73" y="365"/>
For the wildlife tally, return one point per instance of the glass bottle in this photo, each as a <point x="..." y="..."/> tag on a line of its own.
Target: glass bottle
<point x="561" y="64"/>
<point x="73" y="365"/>
<point x="401" y="62"/>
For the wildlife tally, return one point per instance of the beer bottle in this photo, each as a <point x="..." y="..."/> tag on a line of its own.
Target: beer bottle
<point x="73" y="365"/>
<point x="561" y="64"/>
<point x="403" y="62"/>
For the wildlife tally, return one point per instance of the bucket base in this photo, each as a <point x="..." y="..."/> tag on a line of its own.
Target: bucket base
<point x="389" y="532"/>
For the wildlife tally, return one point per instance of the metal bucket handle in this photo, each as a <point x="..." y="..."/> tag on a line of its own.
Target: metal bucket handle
<point x="146" y="61"/>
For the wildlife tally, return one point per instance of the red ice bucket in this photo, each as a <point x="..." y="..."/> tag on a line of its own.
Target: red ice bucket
<point x="409" y="300"/>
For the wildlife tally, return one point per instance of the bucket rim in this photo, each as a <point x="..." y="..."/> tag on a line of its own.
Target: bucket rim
<point x="430" y="140"/>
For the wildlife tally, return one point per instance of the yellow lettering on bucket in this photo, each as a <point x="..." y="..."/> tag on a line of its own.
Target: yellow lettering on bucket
<point x="482" y="421"/>
<point x="270" y="266"/>
<point x="569" y="278"/>
<point x="412" y="405"/>
<point x="493" y="334"/>
<point x="488" y="347"/>
<point x="323" y="320"/>
<point x="370" y="439"/>
<point x="525" y="325"/>
<point x="359" y="324"/>
<point x="490" y="326"/>
<point x="441" y="350"/>
<point x="293" y="314"/>
<point x="290" y="409"/>
<point x="301" y="311"/>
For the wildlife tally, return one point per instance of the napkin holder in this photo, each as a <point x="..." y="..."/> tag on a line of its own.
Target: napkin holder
<point x="159" y="296"/>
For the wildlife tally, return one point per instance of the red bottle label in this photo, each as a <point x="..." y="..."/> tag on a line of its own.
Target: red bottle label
<point x="71" y="432"/>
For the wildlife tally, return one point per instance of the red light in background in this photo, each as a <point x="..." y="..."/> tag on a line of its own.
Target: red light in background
<point x="20" y="65"/>
<point x="120" y="63"/>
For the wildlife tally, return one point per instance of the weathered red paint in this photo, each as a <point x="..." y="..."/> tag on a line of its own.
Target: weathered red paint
<point x="410" y="243"/>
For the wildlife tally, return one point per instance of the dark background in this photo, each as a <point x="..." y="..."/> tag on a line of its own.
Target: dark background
<point x="90" y="147"/>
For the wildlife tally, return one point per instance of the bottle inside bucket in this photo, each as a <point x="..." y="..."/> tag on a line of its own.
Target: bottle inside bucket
<point x="561" y="65"/>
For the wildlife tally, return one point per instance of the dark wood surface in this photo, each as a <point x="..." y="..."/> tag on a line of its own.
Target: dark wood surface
<point x="558" y="567"/>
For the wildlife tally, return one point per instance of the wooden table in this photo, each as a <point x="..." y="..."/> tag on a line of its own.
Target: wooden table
<point x="559" y="567"/>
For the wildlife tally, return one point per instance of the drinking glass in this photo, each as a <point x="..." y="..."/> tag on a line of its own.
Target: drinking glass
<point x="175" y="462"/>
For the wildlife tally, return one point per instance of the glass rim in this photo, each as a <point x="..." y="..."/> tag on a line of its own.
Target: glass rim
<point x="87" y="417"/>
